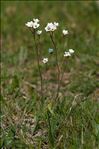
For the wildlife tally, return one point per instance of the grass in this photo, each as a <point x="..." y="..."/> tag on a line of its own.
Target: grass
<point x="73" y="121"/>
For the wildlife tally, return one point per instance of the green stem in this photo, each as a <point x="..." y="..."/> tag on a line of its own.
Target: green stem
<point x="51" y="139"/>
<point x="38" y="63"/>
<point x="58" y="80"/>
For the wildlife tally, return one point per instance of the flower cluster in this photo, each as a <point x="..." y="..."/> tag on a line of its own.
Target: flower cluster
<point x="69" y="53"/>
<point x="51" y="27"/>
<point x="45" y="60"/>
<point x="33" y="24"/>
<point x="39" y="32"/>
<point x="65" y="32"/>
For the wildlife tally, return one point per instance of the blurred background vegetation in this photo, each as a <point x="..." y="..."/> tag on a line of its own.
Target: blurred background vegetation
<point x="81" y="18"/>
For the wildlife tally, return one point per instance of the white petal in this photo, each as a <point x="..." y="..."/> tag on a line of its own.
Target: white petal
<point x="56" y="23"/>
<point x="39" y="32"/>
<point x="45" y="60"/>
<point x="71" y="51"/>
<point x="65" y="32"/>
<point x="36" y="20"/>
<point x="67" y="54"/>
<point x="29" y="24"/>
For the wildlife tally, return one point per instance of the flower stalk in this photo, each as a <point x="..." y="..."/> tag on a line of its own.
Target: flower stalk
<point x="38" y="63"/>
<point x="58" y="69"/>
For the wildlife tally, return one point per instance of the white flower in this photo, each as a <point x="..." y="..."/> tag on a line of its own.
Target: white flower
<point x="50" y="27"/>
<point x="71" y="51"/>
<point x="39" y="32"/>
<point x="36" y="20"/>
<point x="47" y="29"/>
<point x="65" y="32"/>
<point x="29" y="24"/>
<point x="45" y="60"/>
<point x="56" y="23"/>
<point x="67" y="54"/>
<point x="35" y="25"/>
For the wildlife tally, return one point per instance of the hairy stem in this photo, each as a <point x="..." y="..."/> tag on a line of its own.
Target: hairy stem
<point x="38" y="63"/>
<point x="58" y="69"/>
<point x="63" y="60"/>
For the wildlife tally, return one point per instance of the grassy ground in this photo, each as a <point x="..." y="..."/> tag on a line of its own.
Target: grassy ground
<point x="73" y="121"/>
